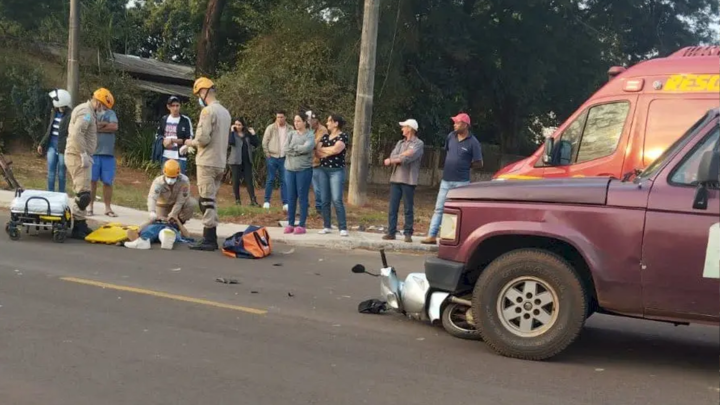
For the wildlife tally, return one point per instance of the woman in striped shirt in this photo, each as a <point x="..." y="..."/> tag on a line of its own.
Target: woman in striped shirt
<point x="53" y="143"/>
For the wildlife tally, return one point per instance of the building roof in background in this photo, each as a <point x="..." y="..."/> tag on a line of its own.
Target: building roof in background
<point x="163" y="88"/>
<point x="149" y="74"/>
<point x="153" y="67"/>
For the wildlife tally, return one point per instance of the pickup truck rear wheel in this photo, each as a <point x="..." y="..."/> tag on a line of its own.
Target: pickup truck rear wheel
<point x="529" y="304"/>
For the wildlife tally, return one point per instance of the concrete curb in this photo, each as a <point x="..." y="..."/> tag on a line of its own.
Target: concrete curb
<point x="350" y="243"/>
<point x="356" y="240"/>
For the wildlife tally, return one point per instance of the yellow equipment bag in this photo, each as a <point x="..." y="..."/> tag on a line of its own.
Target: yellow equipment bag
<point x="111" y="234"/>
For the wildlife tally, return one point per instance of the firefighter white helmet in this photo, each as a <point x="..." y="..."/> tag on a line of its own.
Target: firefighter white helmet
<point x="60" y="98"/>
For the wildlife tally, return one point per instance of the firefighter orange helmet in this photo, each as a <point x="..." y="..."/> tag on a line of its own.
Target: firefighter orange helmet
<point x="171" y="168"/>
<point x="202" y="83"/>
<point x="104" y="96"/>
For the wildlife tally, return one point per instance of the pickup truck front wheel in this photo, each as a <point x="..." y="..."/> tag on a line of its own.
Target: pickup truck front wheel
<point x="529" y="304"/>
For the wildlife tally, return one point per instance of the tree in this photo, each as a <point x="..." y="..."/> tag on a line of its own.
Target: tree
<point x="207" y="50"/>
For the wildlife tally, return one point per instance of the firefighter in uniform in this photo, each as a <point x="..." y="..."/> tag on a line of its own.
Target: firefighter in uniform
<point x="169" y="195"/>
<point x="211" y="142"/>
<point x="81" y="144"/>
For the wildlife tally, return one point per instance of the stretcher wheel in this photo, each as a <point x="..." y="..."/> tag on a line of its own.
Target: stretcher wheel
<point x="13" y="232"/>
<point x="59" y="236"/>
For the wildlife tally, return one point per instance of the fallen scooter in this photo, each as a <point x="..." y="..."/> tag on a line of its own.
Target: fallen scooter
<point x="414" y="299"/>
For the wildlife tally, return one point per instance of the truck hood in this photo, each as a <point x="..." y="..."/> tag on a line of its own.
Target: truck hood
<point x="586" y="190"/>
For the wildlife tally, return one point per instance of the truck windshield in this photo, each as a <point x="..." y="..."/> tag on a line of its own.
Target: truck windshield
<point x="655" y="166"/>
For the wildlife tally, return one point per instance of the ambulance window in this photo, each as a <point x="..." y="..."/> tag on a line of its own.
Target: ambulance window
<point x="570" y="139"/>
<point x="686" y="172"/>
<point x="603" y="130"/>
<point x="667" y="120"/>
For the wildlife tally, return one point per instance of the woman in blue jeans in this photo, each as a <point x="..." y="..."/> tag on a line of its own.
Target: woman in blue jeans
<point x="299" y="147"/>
<point x="53" y="143"/>
<point x="331" y="151"/>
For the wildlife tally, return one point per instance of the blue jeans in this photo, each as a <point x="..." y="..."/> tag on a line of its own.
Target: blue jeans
<point x="405" y="192"/>
<point x="152" y="232"/>
<point x="275" y="166"/>
<point x="331" y="186"/>
<point x="56" y="168"/>
<point x="183" y="164"/>
<point x="298" y="185"/>
<point x="445" y="186"/>
<point x="317" y="189"/>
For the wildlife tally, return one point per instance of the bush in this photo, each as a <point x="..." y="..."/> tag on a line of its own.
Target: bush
<point x="136" y="147"/>
<point x="24" y="104"/>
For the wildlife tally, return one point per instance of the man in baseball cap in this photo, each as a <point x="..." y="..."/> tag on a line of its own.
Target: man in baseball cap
<point x="462" y="153"/>
<point x="174" y="129"/>
<point x="405" y="163"/>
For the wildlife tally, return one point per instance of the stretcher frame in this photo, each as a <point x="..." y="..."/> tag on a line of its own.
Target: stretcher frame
<point x="60" y="225"/>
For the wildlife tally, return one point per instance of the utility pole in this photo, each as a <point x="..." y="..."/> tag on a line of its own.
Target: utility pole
<point x="359" y="170"/>
<point x="73" y="67"/>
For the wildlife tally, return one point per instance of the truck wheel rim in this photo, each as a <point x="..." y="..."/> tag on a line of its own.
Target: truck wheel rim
<point x="528" y="306"/>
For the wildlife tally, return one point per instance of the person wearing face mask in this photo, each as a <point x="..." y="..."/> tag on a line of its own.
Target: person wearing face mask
<point x="211" y="142"/>
<point x="81" y="145"/>
<point x="169" y="196"/>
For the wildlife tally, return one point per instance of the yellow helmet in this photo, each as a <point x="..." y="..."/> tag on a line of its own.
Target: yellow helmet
<point x="202" y="83"/>
<point x="104" y="96"/>
<point x="171" y="168"/>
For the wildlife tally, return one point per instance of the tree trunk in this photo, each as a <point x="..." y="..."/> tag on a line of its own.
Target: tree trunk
<point x="205" y="63"/>
<point x="507" y="122"/>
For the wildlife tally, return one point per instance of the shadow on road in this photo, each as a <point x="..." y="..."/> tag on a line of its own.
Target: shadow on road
<point x="600" y="344"/>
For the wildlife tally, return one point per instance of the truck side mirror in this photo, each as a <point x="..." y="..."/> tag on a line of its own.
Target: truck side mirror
<point x="708" y="176"/>
<point x="548" y="151"/>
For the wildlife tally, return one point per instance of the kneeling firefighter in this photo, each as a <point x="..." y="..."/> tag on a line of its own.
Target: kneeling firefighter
<point x="211" y="140"/>
<point x="80" y="147"/>
<point x="169" y="195"/>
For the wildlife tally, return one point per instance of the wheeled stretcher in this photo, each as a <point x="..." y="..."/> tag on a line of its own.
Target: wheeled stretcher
<point x="40" y="209"/>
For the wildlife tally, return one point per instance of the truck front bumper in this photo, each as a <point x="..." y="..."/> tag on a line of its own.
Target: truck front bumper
<point x="445" y="275"/>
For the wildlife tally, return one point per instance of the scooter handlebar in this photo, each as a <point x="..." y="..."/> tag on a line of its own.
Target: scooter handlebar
<point x="384" y="259"/>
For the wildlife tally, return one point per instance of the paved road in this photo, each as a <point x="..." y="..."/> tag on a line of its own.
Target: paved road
<point x="72" y="333"/>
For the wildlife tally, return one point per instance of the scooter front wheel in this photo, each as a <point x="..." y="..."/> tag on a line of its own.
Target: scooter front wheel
<point x="455" y="322"/>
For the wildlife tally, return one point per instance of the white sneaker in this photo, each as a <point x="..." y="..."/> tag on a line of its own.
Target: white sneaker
<point x="325" y="231"/>
<point x="285" y="207"/>
<point x="344" y="233"/>
<point x="167" y="239"/>
<point x="266" y="206"/>
<point x="139" y="243"/>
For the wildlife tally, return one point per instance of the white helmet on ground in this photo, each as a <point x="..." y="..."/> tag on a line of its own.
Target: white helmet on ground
<point x="167" y="238"/>
<point x="60" y="98"/>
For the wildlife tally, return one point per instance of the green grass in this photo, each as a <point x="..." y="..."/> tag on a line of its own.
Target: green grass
<point x="373" y="217"/>
<point x="126" y="196"/>
<point x="244" y="210"/>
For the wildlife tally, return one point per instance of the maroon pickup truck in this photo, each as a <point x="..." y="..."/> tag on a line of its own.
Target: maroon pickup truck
<point x="537" y="258"/>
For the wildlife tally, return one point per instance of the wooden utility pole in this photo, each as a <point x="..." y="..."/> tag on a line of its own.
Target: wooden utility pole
<point x="359" y="166"/>
<point x="73" y="68"/>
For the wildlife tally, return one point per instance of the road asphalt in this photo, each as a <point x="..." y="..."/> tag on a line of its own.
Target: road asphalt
<point x="92" y="324"/>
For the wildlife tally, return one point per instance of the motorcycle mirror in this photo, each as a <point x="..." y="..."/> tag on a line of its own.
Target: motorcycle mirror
<point x="358" y="268"/>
